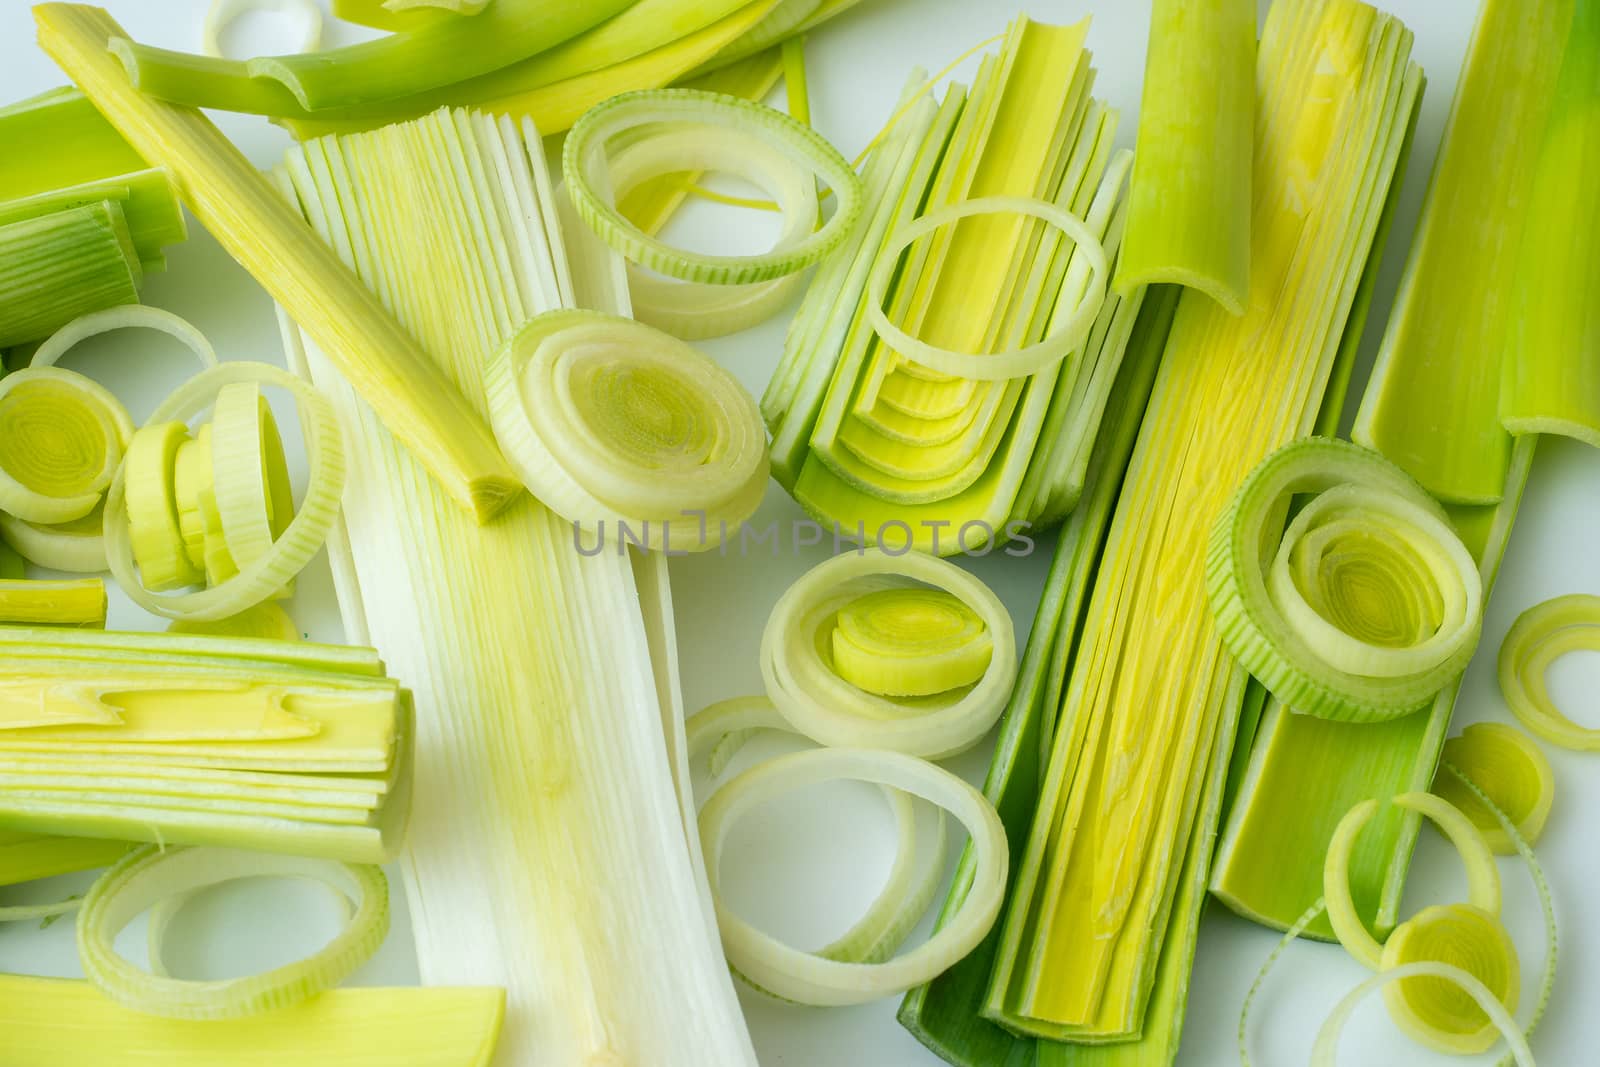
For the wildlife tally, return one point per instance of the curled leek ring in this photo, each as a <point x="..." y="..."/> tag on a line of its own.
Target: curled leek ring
<point x="584" y="166"/>
<point x="803" y="680"/>
<point x="999" y="366"/>
<point x="606" y="419"/>
<point x="1368" y="606"/>
<point x="76" y="547"/>
<point x="1540" y="636"/>
<point x="808" y="978"/>
<point x="693" y="311"/>
<point x="148" y="877"/>
<point x="1505" y="764"/>
<point x="222" y="13"/>
<point x="139" y="316"/>
<point x="61" y="439"/>
<point x="302" y="538"/>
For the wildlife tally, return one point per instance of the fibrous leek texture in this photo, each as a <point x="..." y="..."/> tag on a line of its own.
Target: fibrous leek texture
<point x="58" y="266"/>
<point x="417" y="401"/>
<point x="49" y="1021"/>
<point x="555" y="830"/>
<point x="1104" y="912"/>
<point x="1432" y="408"/>
<point x="871" y="440"/>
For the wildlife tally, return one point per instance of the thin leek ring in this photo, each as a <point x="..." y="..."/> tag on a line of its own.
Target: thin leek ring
<point x="1263" y="619"/>
<point x="999" y="366"/>
<point x="134" y="316"/>
<point x="806" y="977"/>
<point x="249" y="471"/>
<point x="61" y="399"/>
<point x="222" y="13"/>
<point x="148" y="876"/>
<point x="76" y="547"/>
<point x="301" y="540"/>
<point x="584" y="158"/>
<point x="1504" y="763"/>
<point x="150" y="517"/>
<point x="831" y="711"/>
<point x="579" y="468"/>
<point x="1540" y="636"/>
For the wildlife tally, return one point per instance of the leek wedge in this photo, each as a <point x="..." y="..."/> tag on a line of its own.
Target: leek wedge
<point x="1105" y="908"/>
<point x="416" y="400"/>
<point x="48" y="1021"/>
<point x="553" y="787"/>
<point x="1189" y="215"/>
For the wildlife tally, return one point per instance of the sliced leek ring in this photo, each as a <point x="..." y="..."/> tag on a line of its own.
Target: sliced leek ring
<point x="290" y="553"/>
<point x="151" y="519"/>
<point x="586" y="170"/>
<point x="1367" y="606"/>
<point x="998" y="366"/>
<point x="61" y="439"/>
<point x="76" y="547"/>
<point x="798" y="669"/>
<point x="809" y="978"/>
<point x="133" y="316"/>
<point x="1440" y="1014"/>
<point x="607" y="420"/>
<point x="266" y="621"/>
<point x="1504" y="763"/>
<point x="249" y="471"/>
<point x="1540" y="636"/>
<point x="149" y="876"/>
<point x="910" y="642"/>
<point x="222" y="13"/>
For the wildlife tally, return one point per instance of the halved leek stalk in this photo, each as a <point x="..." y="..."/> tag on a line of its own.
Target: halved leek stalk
<point x="49" y="1020"/>
<point x="1189" y="210"/>
<point x="911" y="642"/>
<point x="222" y="13"/>
<point x="1452" y="320"/>
<point x="42" y="603"/>
<point x="426" y="412"/>
<point x="545" y="724"/>
<point x="1506" y="764"/>
<point x="1539" y="637"/>
<point x="57" y="266"/>
<point x="1107" y="900"/>
<point x="250" y="472"/>
<point x="61" y="439"/>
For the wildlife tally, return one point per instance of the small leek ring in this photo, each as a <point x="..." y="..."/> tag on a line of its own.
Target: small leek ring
<point x="133" y="316"/>
<point x="152" y="521"/>
<point x="61" y="439"/>
<point x="1540" y="636"/>
<point x="148" y="876"/>
<point x="998" y="366"/>
<point x="250" y="472"/>
<point x="1438" y="1013"/>
<point x="1506" y="764"/>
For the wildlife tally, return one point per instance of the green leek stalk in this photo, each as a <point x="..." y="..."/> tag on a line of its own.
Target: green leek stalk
<point x="1096" y="948"/>
<point x="1189" y="220"/>
<point x="1434" y="408"/>
<point x="59" y="266"/>
<point x="1551" y="372"/>
<point x="272" y="241"/>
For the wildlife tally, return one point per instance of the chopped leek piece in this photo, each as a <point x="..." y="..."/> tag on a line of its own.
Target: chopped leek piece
<point x="1540" y="636"/>
<point x="1433" y="406"/>
<point x="153" y="533"/>
<point x="1505" y="763"/>
<point x="271" y="240"/>
<point x="254" y="499"/>
<point x="1099" y="936"/>
<point x="222" y="13"/>
<point x="822" y="701"/>
<point x="61" y="440"/>
<point x="76" y="547"/>
<point x="910" y="642"/>
<point x="148" y="877"/>
<point x="48" y="1021"/>
<point x="266" y="620"/>
<point x="59" y="265"/>
<point x="1189" y="211"/>
<point x="41" y="603"/>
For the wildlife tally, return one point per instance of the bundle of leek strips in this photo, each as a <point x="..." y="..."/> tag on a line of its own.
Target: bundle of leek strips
<point x="190" y="740"/>
<point x="82" y="216"/>
<point x="1105" y="908"/>
<point x="1433" y="408"/>
<point x="558" y="809"/>
<point x="863" y="436"/>
<point x="50" y="1021"/>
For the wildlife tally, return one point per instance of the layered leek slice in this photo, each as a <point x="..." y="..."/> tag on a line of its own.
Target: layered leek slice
<point x="870" y="435"/>
<point x="1098" y="940"/>
<point x="193" y="740"/>
<point x="542" y="667"/>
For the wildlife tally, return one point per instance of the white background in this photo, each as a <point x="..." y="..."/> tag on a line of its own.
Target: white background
<point x="806" y="869"/>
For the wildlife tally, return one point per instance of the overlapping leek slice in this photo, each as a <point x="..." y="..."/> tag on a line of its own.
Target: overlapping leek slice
<point x="1540" y="636"/>
<point x="61" y="440"/>
<point x="811" y="978"/>
<point x="608" y="419"/>
<point x="43" y="603"/>
<point x="1506" y="764"/>
<point x="834" y="607"/>
<point x="1367" y="607"/>
<point x="151" y="877"/>
<point x="142" y="523"/>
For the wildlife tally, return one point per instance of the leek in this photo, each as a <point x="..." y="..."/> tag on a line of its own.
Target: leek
<point x="1505" y="764"/>
<point x="1106" y="903"/>
<point x="42" y="603"/>
<point x="57" y="266"/>
<point x="419" y="404"/>
<point x="1539" y="637"/>
<point x="1189" y="210"/>
<point x="61" y="440"/>
<point x="48" y="1021"/>
<point x="554" y="772"/>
